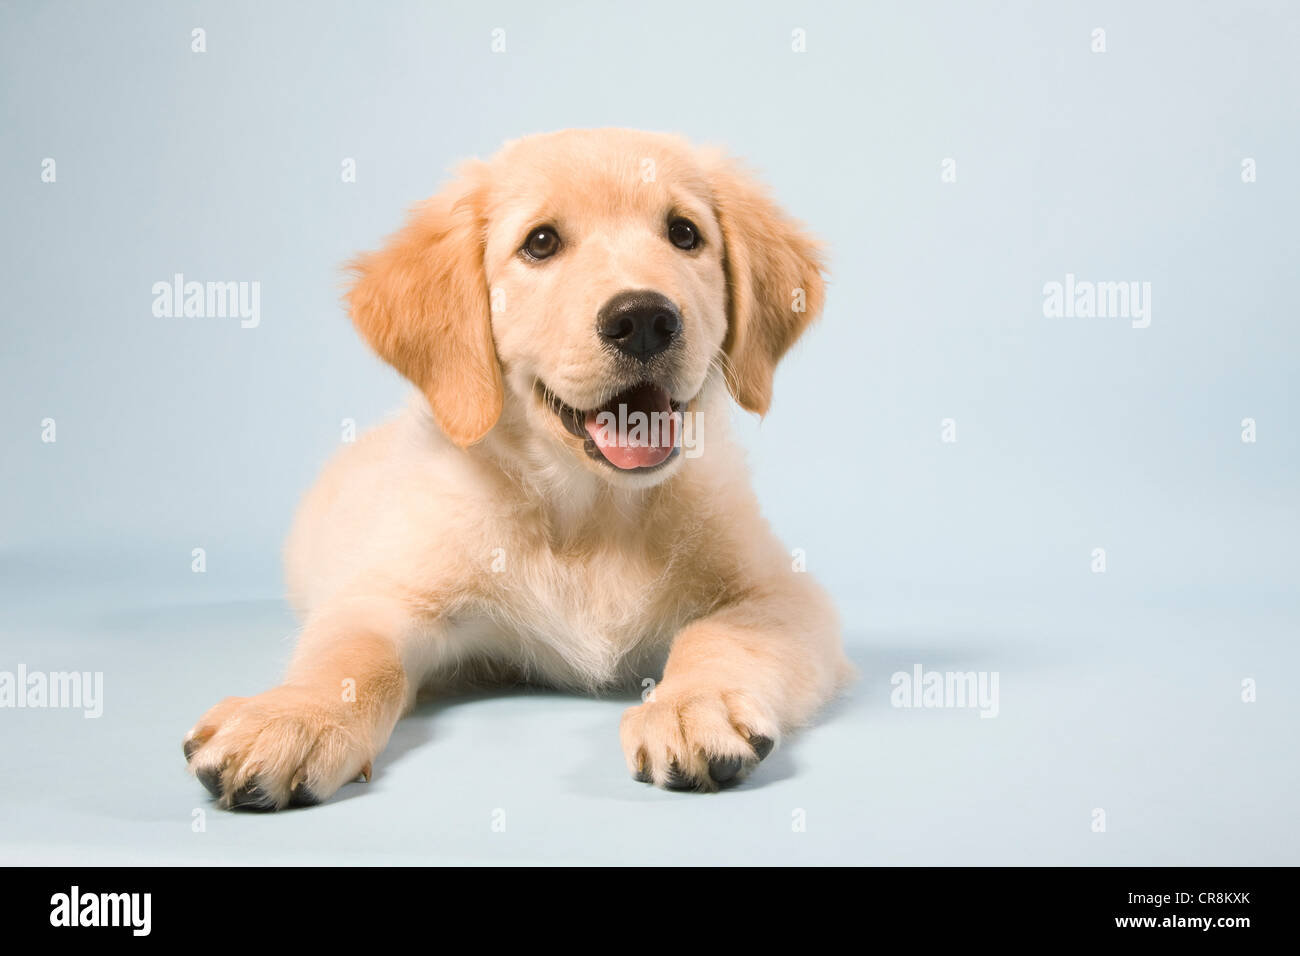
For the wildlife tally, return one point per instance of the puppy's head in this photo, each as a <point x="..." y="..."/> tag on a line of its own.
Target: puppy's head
<point x="578" y="279"/>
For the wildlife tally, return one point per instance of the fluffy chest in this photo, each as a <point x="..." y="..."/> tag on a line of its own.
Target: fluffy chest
<point x="589" y="617"/>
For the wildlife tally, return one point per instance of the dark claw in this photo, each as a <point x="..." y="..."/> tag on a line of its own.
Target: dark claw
<point x="210" y="777"/>
<point x="191" y="748"/>
<point x="253" y="798"/>
<point x="643" y="776"/>
<point x="678" y="780"/>
<point x="762" y="745"/>
<point x="724" y="769"/>
<point x="302" y="796"/>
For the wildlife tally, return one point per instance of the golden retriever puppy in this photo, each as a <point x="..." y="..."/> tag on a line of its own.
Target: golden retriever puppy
<point x="560" y="503"/>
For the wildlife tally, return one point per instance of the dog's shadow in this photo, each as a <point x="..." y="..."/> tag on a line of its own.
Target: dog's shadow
<point x="418" y="727"/>
<point x="601" y="770"/>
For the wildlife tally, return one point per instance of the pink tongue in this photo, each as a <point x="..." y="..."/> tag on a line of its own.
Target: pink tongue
<point x="638" y="429"/>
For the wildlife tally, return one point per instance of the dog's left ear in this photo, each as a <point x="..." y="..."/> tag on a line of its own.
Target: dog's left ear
<point x="774" y="280"/>
<point x="422" y="303"/>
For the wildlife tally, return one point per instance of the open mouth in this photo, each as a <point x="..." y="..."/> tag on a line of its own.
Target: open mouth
<point x="636" y="430"/>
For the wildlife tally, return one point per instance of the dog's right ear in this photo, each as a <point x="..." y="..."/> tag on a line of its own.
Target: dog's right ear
<point x="422" y="303"/>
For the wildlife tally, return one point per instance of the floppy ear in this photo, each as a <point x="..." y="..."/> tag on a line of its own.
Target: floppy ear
<point x="774" y="281"/>
<point x="422" y="303"/>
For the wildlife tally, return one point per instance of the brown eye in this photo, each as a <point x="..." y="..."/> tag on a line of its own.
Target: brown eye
<point x="542" y="243"/>
<point x="683" y="234"/>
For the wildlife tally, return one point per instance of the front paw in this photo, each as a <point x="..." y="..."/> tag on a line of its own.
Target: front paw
<point x="696" y="739"/>
<point x="288" y="747"/>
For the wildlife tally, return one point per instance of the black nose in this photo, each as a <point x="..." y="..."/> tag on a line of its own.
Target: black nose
<point x="639" y="323"/>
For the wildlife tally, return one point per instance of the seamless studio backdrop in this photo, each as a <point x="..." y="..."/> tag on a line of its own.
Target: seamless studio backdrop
<point x="950" y="456"/>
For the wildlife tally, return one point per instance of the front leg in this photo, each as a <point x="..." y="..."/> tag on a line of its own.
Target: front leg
<point x="351" y="677"/>
<point x="735" y="681"/>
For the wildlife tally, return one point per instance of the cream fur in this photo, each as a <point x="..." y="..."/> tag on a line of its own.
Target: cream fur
<point x="471" y="537"/>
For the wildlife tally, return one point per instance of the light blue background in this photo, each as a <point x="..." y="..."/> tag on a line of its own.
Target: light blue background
<point x="1118" y="690"/>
